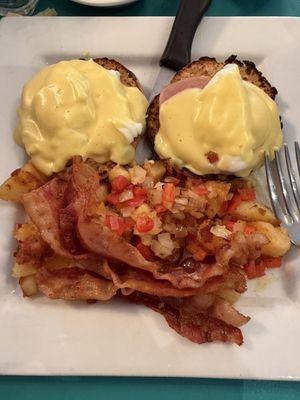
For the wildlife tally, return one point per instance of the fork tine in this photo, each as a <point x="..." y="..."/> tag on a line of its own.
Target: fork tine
<point x="282" y="181"/>
<point x="273" y="193"/>
<point x="292" y="176"/>
<point x="297" y="149"/>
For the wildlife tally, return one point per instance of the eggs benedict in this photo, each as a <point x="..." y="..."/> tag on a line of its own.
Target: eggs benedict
<point x="79" y="107"/>
<point x="216" y="125"/>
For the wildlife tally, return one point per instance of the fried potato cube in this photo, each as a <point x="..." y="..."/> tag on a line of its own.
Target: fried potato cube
<point x="28" y="285"/>
<point x="118" y="170"/>
<point x="279" y="242"/>
<point x="22" y="270"/>
<point x="20" y="182"/>
<point x="252" y="211"/>
<point x="155" y="169"/>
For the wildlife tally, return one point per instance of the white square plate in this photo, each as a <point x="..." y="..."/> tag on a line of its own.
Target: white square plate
<point x="40" y="336"/>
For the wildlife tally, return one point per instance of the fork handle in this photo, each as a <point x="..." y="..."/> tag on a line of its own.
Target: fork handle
<point x="178" y="49"/>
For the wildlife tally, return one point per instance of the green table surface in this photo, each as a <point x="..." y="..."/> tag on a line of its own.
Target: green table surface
<point x="90" y="388"/>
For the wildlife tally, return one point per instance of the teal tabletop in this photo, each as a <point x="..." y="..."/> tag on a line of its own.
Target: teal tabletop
<point x="90" y="388"/>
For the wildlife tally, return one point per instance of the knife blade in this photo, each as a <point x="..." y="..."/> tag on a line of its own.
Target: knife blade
<point x="177" y="53"/>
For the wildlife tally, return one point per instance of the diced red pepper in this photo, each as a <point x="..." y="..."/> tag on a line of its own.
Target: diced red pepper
<point x="144" y="223"/>
<point x="249" y="229"/>
<point x="272" y="262"/>
<point x="254" y="270"/>
<point x="247" y="194"/>
<point x="229" y="225"/>
<point x="129" y="222"/>
<point x="135" y="202"/>
<point x="115" y="223"/>
<point x="168" y="194"/>
<point x="234" y="203"/>
<point x="139" y="192"/>
<point x="119" y="183"/>
<point x="139" y="197"/>
<point x="145" y="251"/>
<point x="224" y="206"/>
<point x="160" y="208"/>
<point x="200" y="190"/>
<point x="113" y="198"/>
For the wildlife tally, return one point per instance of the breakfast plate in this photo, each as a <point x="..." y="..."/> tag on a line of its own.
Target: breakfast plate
<point x="42" y="337"/>
<point x="104" y="3"/>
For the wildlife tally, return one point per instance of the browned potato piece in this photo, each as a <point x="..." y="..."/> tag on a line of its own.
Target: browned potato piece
<point x="22" y="270"/>
<point x="22" y="231"/>
<point x="20" y="182"/>
<point x="279" y="242"/>
<point x="28" y="285"/>
<point x="252" y="211"/>
<point x="155" y="169"/>
<point x="116" y="171"/>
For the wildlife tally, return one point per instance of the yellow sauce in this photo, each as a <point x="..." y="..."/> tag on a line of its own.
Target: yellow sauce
<point x="79" y="108"/>
<point x="230" y="117"/>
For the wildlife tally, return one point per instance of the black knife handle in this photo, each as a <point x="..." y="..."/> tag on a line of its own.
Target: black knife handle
<point x="178" y="50"/>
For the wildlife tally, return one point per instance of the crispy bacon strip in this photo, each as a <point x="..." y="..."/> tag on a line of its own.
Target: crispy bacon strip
<point x="99" y="239"/>
<point x="224" y="311"/>
<point x="54" y="207"/>
<point x="74" y="284"/>
<point x="126" y="278"/>
<point x="198" y="328"/>
<point x="43" y="205"/>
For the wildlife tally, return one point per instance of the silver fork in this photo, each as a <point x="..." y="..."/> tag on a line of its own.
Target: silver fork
<point x="285" y="196"/>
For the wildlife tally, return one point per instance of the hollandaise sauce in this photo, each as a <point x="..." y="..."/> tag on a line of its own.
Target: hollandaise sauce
<point x="79" y="108"/>
<point x="223" y="128"/>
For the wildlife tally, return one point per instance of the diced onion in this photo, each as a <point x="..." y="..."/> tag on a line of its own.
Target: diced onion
<point x="114" y="223"/>
<point x="126" y="195"/>
<point x="165" y="240"/>
<point x="127" y="211"/>
<point x="220" y="231"/>
<point x="183" y="201"/>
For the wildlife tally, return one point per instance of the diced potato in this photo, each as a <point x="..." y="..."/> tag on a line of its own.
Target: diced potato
<point x="22" y="270"/>
<point x="142" y="209"/>
<point x="279" y="241"/>
<point x="137" y="174"/>
<point x="22" y="231"/>
<point x="155" y="169"/>
<point x="116" y="171"/>
<point x="28" y="285"/>
<point x="20" y="182"/>
<point x="253" y="211"/>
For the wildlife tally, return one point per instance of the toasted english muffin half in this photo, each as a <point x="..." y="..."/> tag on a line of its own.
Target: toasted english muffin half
<point x="207" y="66"/>
<point x="127" y="77"/>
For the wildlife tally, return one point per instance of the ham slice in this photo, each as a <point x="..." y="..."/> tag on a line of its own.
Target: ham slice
<point x="176" y="87"/>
